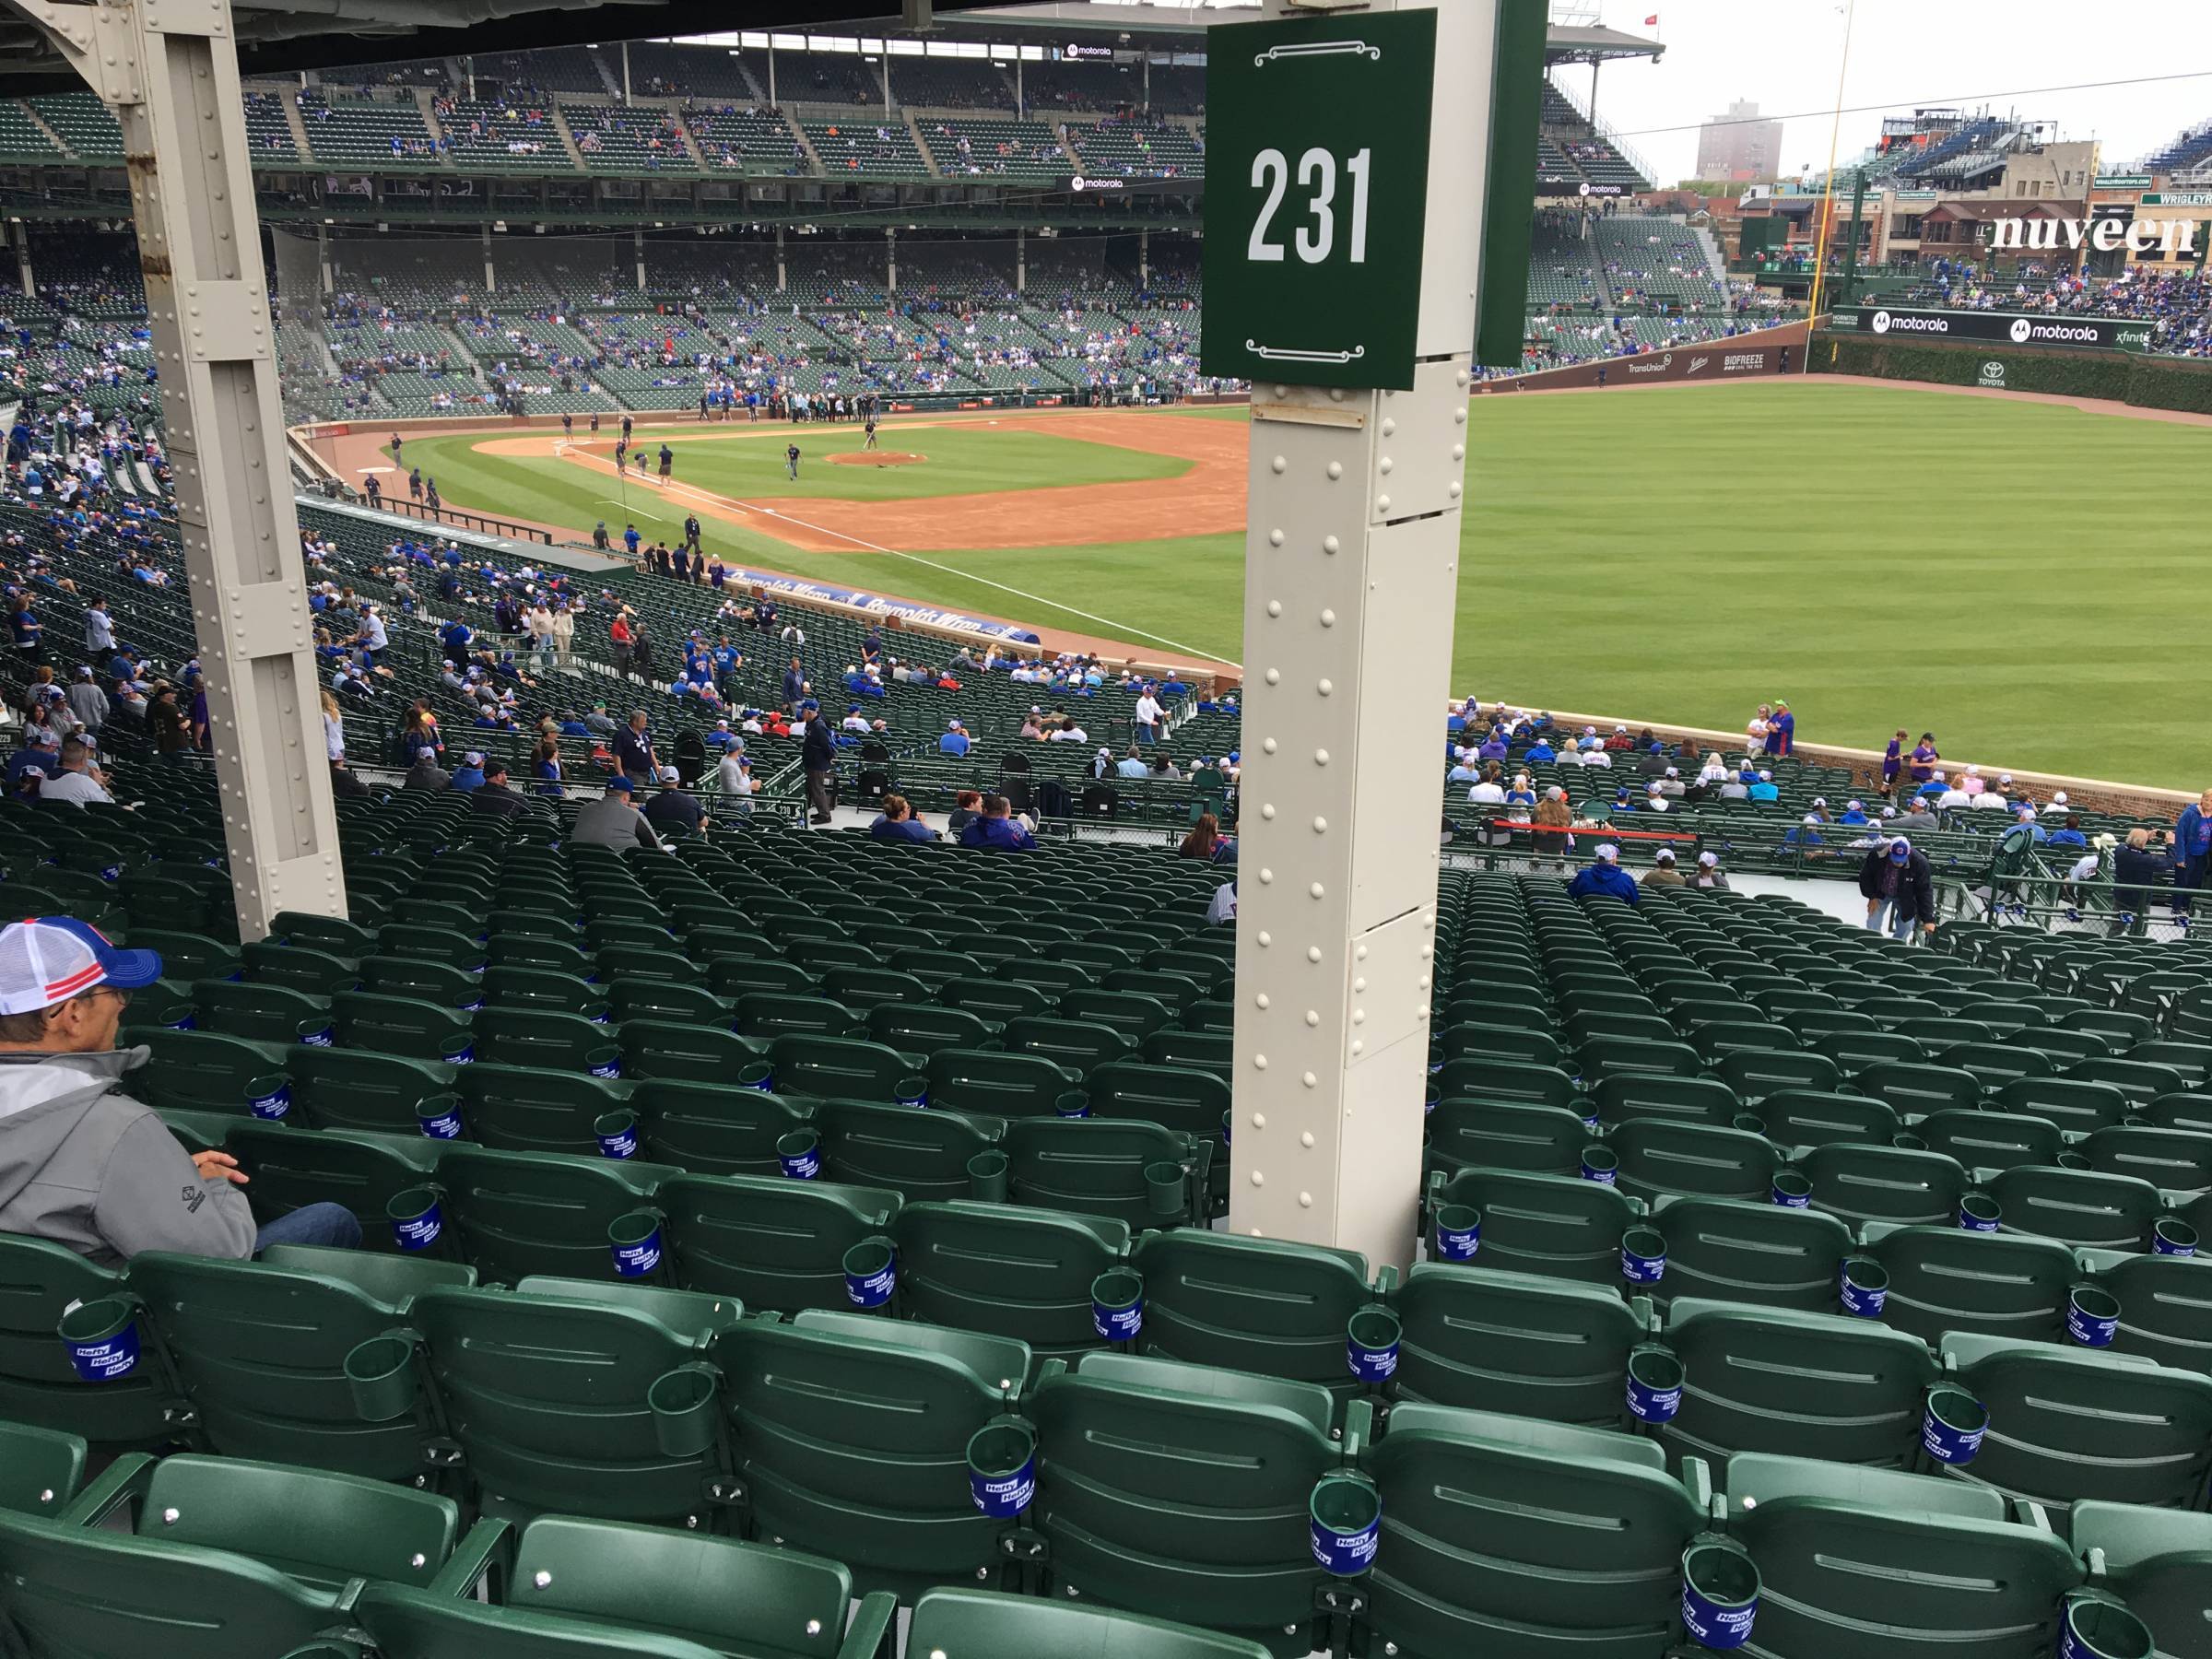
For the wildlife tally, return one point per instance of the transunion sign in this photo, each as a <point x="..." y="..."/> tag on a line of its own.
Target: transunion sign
<point x="2103" y="235"/>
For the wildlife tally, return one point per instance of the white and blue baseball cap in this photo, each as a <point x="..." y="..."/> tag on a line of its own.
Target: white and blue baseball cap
<point x="49" y="959"/>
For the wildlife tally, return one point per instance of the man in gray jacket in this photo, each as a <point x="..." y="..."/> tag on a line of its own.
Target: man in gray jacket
<point x="81" y="1162"/>
<point x="87" y="702"/>
<point x="426" y="774"/>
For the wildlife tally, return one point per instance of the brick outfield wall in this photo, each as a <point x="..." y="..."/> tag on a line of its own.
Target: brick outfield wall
<point x="2099" y="795"/>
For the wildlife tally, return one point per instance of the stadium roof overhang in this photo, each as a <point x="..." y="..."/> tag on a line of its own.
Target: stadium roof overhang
<point x="1564" y="45"/>
<point x="281" y="37"/>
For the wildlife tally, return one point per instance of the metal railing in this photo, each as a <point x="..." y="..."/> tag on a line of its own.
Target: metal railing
<point x="459" y="519"/>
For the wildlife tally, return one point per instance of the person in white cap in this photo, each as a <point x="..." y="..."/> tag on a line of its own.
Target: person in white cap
<point x="1603" y="878"/>
<point x="955" y="742"/>
<point x="1655" y="798"/>
<point x="82" y="1163"/>
<point x="1597" y="756"/>
<point x="1670" y="783"/>
<point x="1709" y="871"/>
<point x="1896" y="879"/>
<point x="1663" y="872"/>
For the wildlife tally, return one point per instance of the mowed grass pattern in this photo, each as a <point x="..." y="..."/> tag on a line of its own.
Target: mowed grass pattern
<point x="2026" y="579"/>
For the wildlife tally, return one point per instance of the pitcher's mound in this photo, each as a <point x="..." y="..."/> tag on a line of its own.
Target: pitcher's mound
<point x="878" y="458"/>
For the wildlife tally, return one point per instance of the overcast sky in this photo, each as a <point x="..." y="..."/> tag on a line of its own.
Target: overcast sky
<point x="1782" y="54"/>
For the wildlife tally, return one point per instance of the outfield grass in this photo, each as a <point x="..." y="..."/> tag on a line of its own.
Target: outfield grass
<point x="2006" y="574"/>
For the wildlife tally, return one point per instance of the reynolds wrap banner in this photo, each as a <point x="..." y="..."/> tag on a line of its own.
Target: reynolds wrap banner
<point x="1741" y="356"/>
<point x="921" y="615"/>
<point x="1901" y="322"/>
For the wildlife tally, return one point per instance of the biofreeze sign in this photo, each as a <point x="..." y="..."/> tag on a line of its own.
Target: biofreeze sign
<point x="2104" y="235"/>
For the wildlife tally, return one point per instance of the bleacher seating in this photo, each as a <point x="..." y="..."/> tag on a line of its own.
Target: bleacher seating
<point x="644" y="139"/>
<point x="87" y="125"/>
<point x="363" y="132"/>
<point x="735" y="139"/>
<point x="821" y="77"/>
<point x="267" y="128"/>
<point x="20" y="135"/>
<point x="994" y="148"/>
<point x="659" y="68"/>
<point x="865" y="144"/>
<point x="948" y="83"/>
<point x="519" y="137"/>
<point x="570" y="69"/>
<point x="1154" y="149"/>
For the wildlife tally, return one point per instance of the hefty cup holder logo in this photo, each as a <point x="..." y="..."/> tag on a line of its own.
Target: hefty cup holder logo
<point x="1720" y="1595"/>
<point x="1370" y="1345"/>
<point x="1791" y="1191"/>
<point x="1117" y="1305"/>
<point x="418" y="1218"/>
<point x="101" y="1337"/>
<point x="1978" y="1212"/>
<point x="759" y="1074"/>
<point x="2172" y="1238"/>
<point x="605" y="1062"/>
<point x="269" y="1098"/>
<point x="1002" y="1469"/>
<point x="871" y="1270"/>
<point x="616" y="1133"/>
<point x="800" y="1155"/>
<point x="2092" y="1317"/>
<point x="319" y="1037"/>
<point x="439" y="1119"/>
<point x="2091" y="1628"/>
<point x="1862" y="1287"/>
<point x="1951" y="1425"/>
<point x="1600" y="1164"/>
<point x="1642" y="1256"/>
<point x="1458" y="1232"/>
<point x="634" y="1240"/>
<point x="1654" y="1388"/>
<point x="1345" y="1516"/>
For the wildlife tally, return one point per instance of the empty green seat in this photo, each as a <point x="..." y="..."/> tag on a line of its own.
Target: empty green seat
<point x="221" y="1557"/>
<point x="1693" y="1160"/>
<point x="685" y="1049"/>
<point x="1483" y="1079"/>
<point x="768" y="1015"/>
<point x="1627" y="1095"/>
<point x="1946" y="1279"/>
<point x="1138" y="1173"/>
<point x="1579" y="1535"/>
<point x="2174" y="1160"/>
<point x="316" y="971"/>
<point x="547" y="1040"/>
<point x="1493" y="1135"/>
<point x="1182" y="1494"/>
<point x="767" y="1242"/>
<point x="1864" y="1183"/>
<point x="919" y="1154"/>
<point x="2160" y="1564"/>
<point x="1003" y="1270"/>
<point x="545" y="1389"/>
<point x="2165" y="1305"/>
<point x="525" y="1108"/>
<point x="1912" y="1087"/>
<point x="39" y="1280"/>
<point x="524" y="1213"/>
<point x="1490" y="1340"/>
<point x="1558" y="1226"/>
<point x="2068" y="1424"/>
<point x="203" y="1071"/>
<point x="1802" y="1385"/>
<point x="1008" y="1086"/>
<point x="714" y="1126"/>
<point x="358" y="1089"/>
<point x="1882" y="1572"/>
<point x="260" y="1350"/>
<point x="982" y="1624"/>
<point x="922" y="1029"/>
<point x="1269" y="1306"/>
<point x="1992" y="1140"/>
<point x="1798" y="1117"/>
<point x="2081" y="1207"/>
<point x="41" y="1469"/>
<point x="401" y="1025"/>
<point x="1767" y="1253"/>
<point x="851" y="1436"/>
<point x="1755" y="1074"/>
<point x="836" y="1068"/>
<point x="2075" y="1104"/>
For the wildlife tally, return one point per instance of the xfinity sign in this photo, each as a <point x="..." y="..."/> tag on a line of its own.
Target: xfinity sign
<point x="2103" y="235"/>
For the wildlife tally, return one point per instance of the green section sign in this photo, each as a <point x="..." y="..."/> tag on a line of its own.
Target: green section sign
<point x="1317" y="188"/>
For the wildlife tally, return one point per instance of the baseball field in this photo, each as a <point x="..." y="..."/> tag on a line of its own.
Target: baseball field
<point x="2025" y="579"/>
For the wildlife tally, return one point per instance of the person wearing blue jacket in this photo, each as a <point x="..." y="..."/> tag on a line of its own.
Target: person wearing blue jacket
<point x="1605" y="877"/>
<point x="899" y="822"/>
<point x="994" y="827"/>
<point x="2192" y="851"/>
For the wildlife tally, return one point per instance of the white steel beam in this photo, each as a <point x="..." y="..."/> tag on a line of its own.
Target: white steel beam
<point x="1351" y="559"/>
<point x="170" y="71"/>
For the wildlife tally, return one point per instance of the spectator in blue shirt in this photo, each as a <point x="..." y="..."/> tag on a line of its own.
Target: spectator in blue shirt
<point x="1541" y="750"/>
<point x="1133" y="765"/>
<point x="1854" y="812"/>
<point x="1605" y="877"/>
<point x="2067" y="835"/>
<point x="899" y="822"/>
<point x="1764" y="789"/>
<point x="1781" y="730"/>
<point x="469" y="774"/>
<point x="955" y="741"/>
<point x="996" y="828"/>
<point x="631" y="538"/>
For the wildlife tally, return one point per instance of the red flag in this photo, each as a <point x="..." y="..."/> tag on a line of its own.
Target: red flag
<point x="1652" y="21"/>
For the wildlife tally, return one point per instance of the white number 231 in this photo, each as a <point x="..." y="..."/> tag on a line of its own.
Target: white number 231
<point x="1317" y="174"/>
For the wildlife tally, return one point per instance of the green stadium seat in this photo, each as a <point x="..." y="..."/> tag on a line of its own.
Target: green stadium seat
<point x="1181" y="1493"/>
<point x="1863" y="1183"/>
<point x="767" y="1242"/>
<point x="1555" y="1226"/>
<point x="40" y="1282"/>
<point x="2165" y="1306"/>
<point x="1489" y="1135"/>
<point x="1796" y="1117"/>
<point x="1693" y="1160"/>
<point x="1580" y="1536"/>
<point x="1945" y="1278"/>
<point x="1268" y="1306"/>
<point x="1138" y="1173"/>
<point x="982" y="1624"/>
<point x="2081" y="1207"/>
<point x="1003" y="1270"/>
<point x="523" y="1213"/>
<point x="1627" y="1095"/>
<point x="533" y="1107"/>
<point x="2160" y="1563"/>
<point x="715" y="1127"/>
<point x="1489" y="1340"/>
<point x="1992" y="1140"/>
<point x="289" y="1168"/>
<point x="1766" y="1253"/>
<point x="40" y="1470"/>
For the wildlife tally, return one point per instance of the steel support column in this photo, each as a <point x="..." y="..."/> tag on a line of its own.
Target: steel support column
<point x="20" y="234"/>
<point x="491" y="278"/>
<point x="170" y="71"/>
<point x="1351" y="560"/>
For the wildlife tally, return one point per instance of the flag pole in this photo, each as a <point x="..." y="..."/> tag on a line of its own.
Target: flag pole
<point x="1827" y="193"/>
